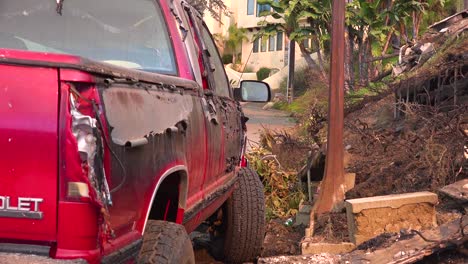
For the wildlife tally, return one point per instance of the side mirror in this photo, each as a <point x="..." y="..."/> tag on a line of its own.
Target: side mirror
<point x="253" y="91"/>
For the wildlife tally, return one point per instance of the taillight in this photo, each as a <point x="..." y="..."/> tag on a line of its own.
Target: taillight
<point x="82" y="173"/>
<point x="243" y="160"/>
<point x="77" y="190"/>
<point x="83" y="193"/>
<point x="69" y="163"/>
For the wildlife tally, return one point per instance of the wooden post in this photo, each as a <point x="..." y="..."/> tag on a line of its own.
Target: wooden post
<point x="333" y="185"/>
<point x="291" y="66"/>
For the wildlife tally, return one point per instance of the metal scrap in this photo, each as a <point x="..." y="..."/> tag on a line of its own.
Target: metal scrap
<point x="415" y="54"/>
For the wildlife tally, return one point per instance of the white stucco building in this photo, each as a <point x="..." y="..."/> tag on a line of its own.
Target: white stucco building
<point x="270" y="52"/>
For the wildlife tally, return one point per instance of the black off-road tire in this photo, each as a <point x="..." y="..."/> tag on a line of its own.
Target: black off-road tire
<point x="245" y="219"/>
<point x="166" y="243"/>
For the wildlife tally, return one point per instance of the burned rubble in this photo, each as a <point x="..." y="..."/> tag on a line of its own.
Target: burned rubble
<point x="412" y="140"/>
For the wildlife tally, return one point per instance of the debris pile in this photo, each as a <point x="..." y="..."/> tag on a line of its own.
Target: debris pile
<point x="274" y="160"/>
<point x="412" y="246"/>
<point x="417" y="143"/>
<point x="415" y="140"/>
<point x="414" y="55"/>
<point x="411" y="141"/>
<point x="422" y="152"/>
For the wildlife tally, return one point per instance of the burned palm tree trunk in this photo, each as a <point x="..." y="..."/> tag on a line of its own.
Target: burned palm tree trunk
<point x="332" y="188"/>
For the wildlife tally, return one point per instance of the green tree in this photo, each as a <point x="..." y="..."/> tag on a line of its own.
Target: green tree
<point x="403" y="14"/>
<point x="373" y="24"/>
<point x="301" y="21"/>
<point x="216" y="8"/>
<point x="371" y="27"/>
<point x="365" y="24"/>
<point x="234" y="41"/>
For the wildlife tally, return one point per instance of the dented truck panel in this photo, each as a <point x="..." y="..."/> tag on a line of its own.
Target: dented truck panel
<point x="137" y="114"/>
<point x="233" y="133"/>
<point x="170" y="131"/>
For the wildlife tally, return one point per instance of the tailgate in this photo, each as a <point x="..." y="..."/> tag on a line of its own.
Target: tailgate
<point x="28" y="153"/>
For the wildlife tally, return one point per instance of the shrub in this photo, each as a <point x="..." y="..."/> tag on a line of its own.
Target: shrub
<point x="303" y="80"/>
<point x="263" y="73"/>
<point x="248" y="69"/>
<point x="227" y="58"/>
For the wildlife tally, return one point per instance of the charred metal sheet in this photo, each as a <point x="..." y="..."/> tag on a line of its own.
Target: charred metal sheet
<point x="450" y="20"/>
<point x="229" y="112"/>
<point x="136" y="142"/>
<point x="183" y="142"/>
<point x="210" y="110"/>
<point x="134" y="115"/>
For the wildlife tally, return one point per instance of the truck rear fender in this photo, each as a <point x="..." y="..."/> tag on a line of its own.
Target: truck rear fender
<point x="161" y="207"/>
<point x="83" y="185"/>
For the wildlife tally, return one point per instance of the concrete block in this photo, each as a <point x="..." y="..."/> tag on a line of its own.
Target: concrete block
<point x="457" y="190"/>
<point x="303" y="216"/>
<point x="309" y="248"/>
<point x="350" y="181"/>
<point x="372" y="216"/>
<point x="302" y="219"/>
<point x="305" y="207"/>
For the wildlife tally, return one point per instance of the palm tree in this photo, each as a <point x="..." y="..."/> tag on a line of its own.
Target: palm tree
<point x="301" y="21"/>
<point x="234" y="40"/>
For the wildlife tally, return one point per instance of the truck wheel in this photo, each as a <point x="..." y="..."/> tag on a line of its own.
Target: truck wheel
<point x="245" y="219"/>
<point x="166" y="242"/>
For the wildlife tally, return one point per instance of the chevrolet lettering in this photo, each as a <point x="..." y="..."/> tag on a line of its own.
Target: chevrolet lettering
<point x="20" y="208"/>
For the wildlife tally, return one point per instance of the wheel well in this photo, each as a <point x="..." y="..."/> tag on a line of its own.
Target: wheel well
<point x="170" y="196"/>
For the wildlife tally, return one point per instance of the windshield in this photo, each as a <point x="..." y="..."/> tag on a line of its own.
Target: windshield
<point x="128" y="33"/>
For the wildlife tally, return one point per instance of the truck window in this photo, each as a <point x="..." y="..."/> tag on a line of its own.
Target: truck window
<point x="131" y="34"/>
<point x="222" y="86"/>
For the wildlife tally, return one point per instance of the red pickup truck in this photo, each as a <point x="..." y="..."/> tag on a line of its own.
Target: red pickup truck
<point x="120" y="134"/>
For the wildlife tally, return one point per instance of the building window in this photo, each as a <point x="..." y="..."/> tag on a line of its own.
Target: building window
<point x="306" y="43"/>
<point x="279" y="41"/>
<point x="255" y="45"/>
<point x="262" y="8"/>
<point x="263" y="47"/>
<point x="250" y="7"/>
<point x="271" y="43"/>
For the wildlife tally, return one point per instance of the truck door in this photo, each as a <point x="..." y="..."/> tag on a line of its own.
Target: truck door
<point x="227" y="109"/>
<point x="224" y="129"/>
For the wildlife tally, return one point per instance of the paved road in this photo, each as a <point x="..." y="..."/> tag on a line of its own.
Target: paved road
<point x="259" y="118"/>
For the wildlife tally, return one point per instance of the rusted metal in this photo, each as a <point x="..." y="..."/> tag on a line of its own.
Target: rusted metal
<point x="333" y="189"/>
<point x="127" y="107"/>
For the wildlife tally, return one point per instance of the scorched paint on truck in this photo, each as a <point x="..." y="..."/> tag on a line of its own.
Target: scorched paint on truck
<point x="120" y="134"/>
